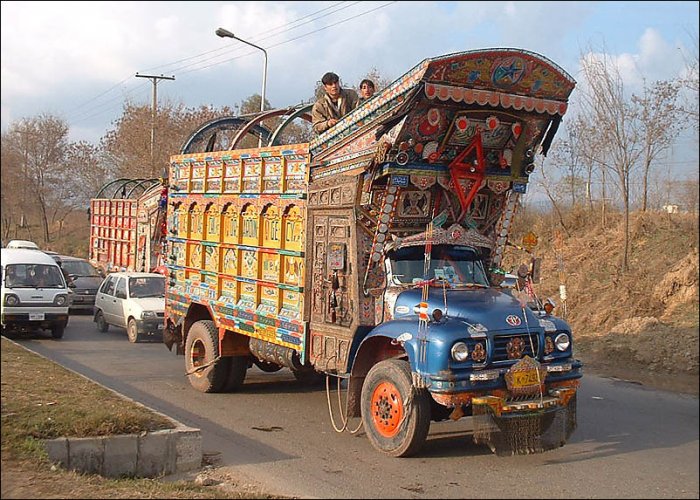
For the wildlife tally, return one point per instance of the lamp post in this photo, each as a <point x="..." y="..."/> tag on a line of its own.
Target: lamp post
<point x="227" y="34"/>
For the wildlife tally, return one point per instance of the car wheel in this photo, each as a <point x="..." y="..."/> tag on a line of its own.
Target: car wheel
<point x="57" y="331"/>
<point x="396" y="415"/>
<point x="102" y="325"/>
<point x="205" y="372"/>
<point x="132" y="331"/>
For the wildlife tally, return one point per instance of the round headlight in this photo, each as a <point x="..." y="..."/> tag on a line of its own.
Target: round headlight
<point x="562" y="342"/>
<point x="61" y="300"/>
<point x="12" y="300"/>
<point x="460" y="352"/>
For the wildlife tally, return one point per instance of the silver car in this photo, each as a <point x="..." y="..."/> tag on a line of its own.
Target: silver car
<point x="132" y="300"/>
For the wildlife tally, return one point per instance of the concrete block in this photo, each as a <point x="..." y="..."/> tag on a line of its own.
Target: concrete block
<point x="57" y="450"/>
<point x="86" y="454"/>
<point x="188" y="449"/>
<point x="120" y="455"/>
<point x="156" y="454"/>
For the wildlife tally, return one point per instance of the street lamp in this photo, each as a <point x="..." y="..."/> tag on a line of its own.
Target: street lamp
<point x="227" y="34"/>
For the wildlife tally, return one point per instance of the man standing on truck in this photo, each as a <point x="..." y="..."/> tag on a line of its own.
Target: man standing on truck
<point x="336" y="103"/>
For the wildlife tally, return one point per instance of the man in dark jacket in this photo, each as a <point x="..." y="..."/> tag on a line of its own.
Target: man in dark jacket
<point x="336" y="103"/>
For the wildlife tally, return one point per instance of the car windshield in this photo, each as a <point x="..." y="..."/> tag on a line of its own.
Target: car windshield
<point x="147" y="286"/>
<point x="33" y="276"/>
<point x="455" y="265"/>
<point x="79" y="268"/>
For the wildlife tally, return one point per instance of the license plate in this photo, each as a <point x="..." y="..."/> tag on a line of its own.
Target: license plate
<point x="36" y="316"/>
<point x="525" y="378"/>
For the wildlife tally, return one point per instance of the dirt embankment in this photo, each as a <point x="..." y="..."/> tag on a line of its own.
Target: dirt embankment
<point x="640" y="325"/>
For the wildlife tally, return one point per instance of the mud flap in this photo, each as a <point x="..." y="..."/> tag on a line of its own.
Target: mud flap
<point x="524" y="433"/>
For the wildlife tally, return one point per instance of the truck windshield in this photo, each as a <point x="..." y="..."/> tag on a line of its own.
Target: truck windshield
<point x="457" y="265"/>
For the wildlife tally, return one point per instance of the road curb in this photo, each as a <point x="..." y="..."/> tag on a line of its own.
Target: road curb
<point x="148" y="454"/>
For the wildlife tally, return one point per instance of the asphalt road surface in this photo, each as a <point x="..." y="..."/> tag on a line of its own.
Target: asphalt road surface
<point x="631" y="442"/>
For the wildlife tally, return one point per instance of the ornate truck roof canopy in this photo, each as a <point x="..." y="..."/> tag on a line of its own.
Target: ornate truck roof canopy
<point x="437" y="102"/>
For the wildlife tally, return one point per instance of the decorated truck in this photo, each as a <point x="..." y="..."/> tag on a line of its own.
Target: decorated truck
<point x="373" y="254"/>
<point x="127" y="225"/>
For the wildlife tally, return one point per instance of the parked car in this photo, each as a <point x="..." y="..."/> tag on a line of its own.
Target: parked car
<point x="30" y="245"/>
<point x="86" y="279"/>
<point x="132" y="300"/>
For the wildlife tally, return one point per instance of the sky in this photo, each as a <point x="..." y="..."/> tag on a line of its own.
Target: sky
<point x="79" y="60"/>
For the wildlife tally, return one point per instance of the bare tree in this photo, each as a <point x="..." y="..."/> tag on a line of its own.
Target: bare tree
<point x="37" y="148"/>
<point x="617" y="129"/>
<point x="659" y="116"/>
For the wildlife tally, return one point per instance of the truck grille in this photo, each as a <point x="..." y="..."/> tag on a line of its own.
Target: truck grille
<point x="522" y="346"/>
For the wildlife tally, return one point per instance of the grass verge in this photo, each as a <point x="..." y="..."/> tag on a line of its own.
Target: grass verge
<point x="42" y="400"/>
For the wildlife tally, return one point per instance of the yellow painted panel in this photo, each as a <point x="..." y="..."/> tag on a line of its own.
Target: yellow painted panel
<point x="232" y="176"/>
<point x="229" y="261"/>
<point x="211" y="259"/>
<point x="194" y="255"/>
<point x="250" y="229"/>
<point x="212" y="220"/>
<point x="293" y="227"/>
<point x="272" y="230"/>
<point x="231" y="223"/>
<point x="293" y="270"/>
<point x="228" y="289"/>
<point x="249" y="264"/>
<point x="270" y="267"/>
<point x="292" y="304"/>
<point x="196" y="222"/>
<point x="248" y="295"/>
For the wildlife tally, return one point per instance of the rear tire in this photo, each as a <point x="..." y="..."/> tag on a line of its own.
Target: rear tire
<point x="394" y="427"/>
<point x="237" y="372"/>
<point x="132" y="331"/>
<point x="102" y="325"/>
<point x="202" y="348"/>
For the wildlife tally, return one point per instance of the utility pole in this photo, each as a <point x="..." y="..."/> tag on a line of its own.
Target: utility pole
<point x="154" y="79"/>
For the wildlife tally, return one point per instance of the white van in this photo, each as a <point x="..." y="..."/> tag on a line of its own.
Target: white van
<point x="23" y="244"/>
<point x="34" y="292"/>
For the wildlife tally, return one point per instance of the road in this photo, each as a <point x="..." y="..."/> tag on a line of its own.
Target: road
<point x="632" y="442"/>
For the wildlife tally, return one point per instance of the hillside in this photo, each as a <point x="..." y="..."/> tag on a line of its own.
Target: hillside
<point x="641" y="325"/>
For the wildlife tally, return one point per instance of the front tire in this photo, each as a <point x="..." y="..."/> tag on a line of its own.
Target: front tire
<point x="396" y="416"/>
<point x="57" y="331"/>
<point x="201" y="349"/>
<point x="132" y="331"/>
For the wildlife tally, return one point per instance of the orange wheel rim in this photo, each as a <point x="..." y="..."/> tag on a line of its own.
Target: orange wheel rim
<point x="387" y="409"/>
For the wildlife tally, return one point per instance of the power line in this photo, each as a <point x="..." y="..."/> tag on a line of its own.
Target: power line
<point x="293" y="39"/>
<point x="257" y="38"/>
<point x="250" y="53"/>
<point x="211" y="51"/>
